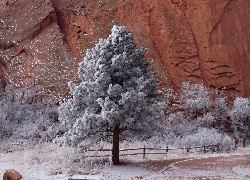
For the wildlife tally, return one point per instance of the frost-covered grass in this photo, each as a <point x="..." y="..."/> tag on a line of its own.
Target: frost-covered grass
<point x="35" y="160"/>
<point x="32" y="158"/>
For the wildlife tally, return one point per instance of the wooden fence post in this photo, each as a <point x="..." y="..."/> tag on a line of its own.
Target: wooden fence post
<point x="204" y="149"/>
<point x="236" y="142"/>
<point x="167" y="150"/>
<point x="144" y="150"/>
<point x="244" y="142"/>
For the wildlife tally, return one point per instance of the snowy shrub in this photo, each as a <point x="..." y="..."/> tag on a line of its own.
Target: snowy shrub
<point x="25" y="118"/>
<point x="178" y="126"/>
<point x="226" y="143"/>
<point x="203" y="136"/>
<point x="41" y="124"/>
<point x="207" y="136"/>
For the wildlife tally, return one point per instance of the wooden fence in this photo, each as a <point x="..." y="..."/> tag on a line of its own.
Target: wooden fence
<point x="144" y="150"/>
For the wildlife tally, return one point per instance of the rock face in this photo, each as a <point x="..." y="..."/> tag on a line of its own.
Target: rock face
<point x="32" y="50"/>
<point x="206" y="41"/>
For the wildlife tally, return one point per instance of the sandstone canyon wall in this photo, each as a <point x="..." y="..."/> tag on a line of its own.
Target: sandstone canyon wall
<point x="202" y="41"/>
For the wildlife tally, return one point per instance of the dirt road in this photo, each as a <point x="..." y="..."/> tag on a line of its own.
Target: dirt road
<point x="234" y="167"/>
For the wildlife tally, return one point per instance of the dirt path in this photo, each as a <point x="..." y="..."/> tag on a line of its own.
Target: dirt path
<point x="234" y="167"/>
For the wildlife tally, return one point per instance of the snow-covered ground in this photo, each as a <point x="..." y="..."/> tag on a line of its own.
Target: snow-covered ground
<point x="34" y="161"/>
<point x="46" y="161"/>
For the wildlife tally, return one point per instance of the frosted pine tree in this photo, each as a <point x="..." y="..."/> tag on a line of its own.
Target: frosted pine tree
<point x="117" y="94"/>
<point x="221" y="108"/>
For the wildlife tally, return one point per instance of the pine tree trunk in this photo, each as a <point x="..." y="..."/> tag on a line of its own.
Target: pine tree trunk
<point x="115" y="149"/>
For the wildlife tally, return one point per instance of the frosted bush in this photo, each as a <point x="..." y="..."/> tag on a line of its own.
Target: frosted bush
<point x="30" y="121"/>
<point x="22" y="117"/>
<point x="203" y="136"/>
<point x="205" y="121"/>
<point x="206" y="136"/>
<point x="178" y="125"/>
<point x="226" y="143"/>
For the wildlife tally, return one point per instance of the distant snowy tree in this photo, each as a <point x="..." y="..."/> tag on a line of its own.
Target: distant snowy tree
<point x="195" y="99"/>
<point x="240" y="115"/>
<point x="221" y="108"/>
<point x="117" y="94"/>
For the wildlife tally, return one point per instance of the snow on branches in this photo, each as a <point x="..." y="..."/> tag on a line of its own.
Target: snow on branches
<point x="240" y="115"/>
<point x="195" y="98"/>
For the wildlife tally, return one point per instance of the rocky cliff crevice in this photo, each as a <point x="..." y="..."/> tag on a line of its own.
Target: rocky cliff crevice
<point x="43" y="24"/>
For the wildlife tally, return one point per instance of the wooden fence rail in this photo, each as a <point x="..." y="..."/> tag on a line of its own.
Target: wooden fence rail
<point x="205" y="148"/>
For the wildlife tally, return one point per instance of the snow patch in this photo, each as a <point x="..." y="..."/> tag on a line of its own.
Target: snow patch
<point x="242" y="170"/>
<point x="125" y="172"/>
<point x="92" y="177"/>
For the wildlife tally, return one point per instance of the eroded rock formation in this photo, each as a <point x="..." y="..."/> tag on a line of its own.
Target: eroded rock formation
<point x="188" y="40"/>
<point x="32" y="48"/>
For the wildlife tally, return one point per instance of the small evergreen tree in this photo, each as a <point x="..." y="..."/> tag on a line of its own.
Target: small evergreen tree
<point x="240" y="115"/>
<point x="117" y="94"/>
<point x="221" y="109"/>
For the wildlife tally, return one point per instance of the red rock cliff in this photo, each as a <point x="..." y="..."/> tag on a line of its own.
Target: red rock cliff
<point x="207" y="41"/>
